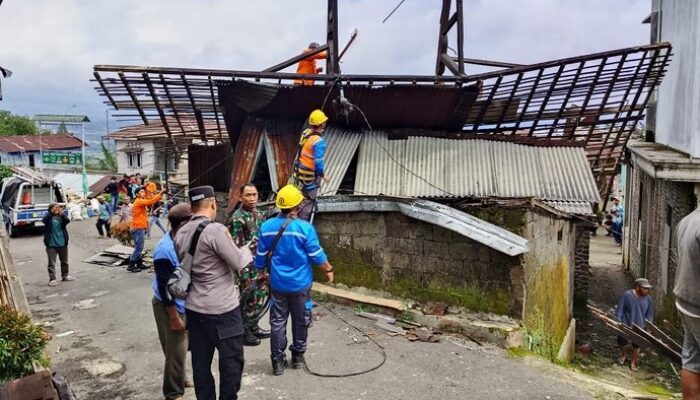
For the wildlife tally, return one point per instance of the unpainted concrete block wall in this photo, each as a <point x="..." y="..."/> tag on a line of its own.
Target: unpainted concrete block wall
<point x="549" y="280"/>
<point x="582" y="264"/>
<point x="422" y="261"/>
<point x="646" y="248"/>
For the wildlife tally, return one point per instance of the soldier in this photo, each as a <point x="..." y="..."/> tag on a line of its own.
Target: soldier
<point x="244" y="225"/>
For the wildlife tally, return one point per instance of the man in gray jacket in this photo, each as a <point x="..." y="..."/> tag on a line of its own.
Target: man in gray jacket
<point x="213" y="314"/>
<point x="688" y="301"/>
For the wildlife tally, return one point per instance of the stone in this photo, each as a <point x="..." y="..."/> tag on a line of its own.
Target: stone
<point x="434" y="308"/>
<point x="514" y="339"/>
<point x="344" y="241"/>
<point x="85" y="304"/>
<point x="461" y="250"/>
<point x="102" y="367"/>
<point x="436" y="249"/>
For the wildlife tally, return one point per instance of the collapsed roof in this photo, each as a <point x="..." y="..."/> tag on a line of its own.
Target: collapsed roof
<point x="595" y="100"/>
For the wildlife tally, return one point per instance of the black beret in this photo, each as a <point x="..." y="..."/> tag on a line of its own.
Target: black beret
<point x="200" y="193"/>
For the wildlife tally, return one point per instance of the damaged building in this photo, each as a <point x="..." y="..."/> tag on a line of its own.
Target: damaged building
<point x="476" y="190"/>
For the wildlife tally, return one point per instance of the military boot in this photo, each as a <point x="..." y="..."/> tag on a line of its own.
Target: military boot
<point x="278" y="365"/>
<point x="132" y="267"/>
<point x="259" y="332"/>
<point x="249" y="339"/>
<point x="297" y="360"/>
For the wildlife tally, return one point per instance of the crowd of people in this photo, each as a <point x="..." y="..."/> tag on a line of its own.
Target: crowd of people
<point x="614" y="221"/>
<point x="226" y="260"/>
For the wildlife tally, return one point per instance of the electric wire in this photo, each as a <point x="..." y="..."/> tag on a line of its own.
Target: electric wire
<point x="393" y="11"/>
<point x="347" y="375"/>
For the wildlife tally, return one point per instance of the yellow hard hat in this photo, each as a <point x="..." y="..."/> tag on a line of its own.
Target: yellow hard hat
<point x="288" y="197"/>
<point x="317" y="117"/>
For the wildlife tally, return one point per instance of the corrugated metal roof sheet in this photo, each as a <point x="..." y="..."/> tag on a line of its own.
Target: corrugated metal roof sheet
<point x="58" y="141"/>
<point x="245" y="158"/>
<point x="73" y="182"/>
<point x="447" y="217"/>
<point x="472" y="168"/>
<point x="341" y="147"/>
<point x="572" y="207"/>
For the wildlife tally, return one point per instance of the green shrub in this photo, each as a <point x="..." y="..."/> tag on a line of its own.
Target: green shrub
<point x="21" y="345"/>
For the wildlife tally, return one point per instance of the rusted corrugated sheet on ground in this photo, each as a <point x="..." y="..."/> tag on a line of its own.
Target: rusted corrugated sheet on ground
<point x="245" y="158"/>
<point x="209" y="165"/>
<point x="434" y="167"/>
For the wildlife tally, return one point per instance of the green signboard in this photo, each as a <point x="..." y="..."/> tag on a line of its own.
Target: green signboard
<point x="63" y="158"/>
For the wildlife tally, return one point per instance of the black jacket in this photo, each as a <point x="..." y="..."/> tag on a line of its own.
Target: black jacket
<point x="47" y="227"/>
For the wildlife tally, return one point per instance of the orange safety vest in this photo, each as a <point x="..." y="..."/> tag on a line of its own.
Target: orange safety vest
<point x="305" y="167"/>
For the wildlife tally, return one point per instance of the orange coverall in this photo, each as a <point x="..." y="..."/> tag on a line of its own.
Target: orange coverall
<point x="308" y="66"/>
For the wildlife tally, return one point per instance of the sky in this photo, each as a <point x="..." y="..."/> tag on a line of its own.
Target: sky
<point x="52" y="45"/>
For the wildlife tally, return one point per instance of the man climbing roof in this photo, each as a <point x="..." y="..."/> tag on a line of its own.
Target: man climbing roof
<point x="308" y="65"/>
<point x="309" y="166"/>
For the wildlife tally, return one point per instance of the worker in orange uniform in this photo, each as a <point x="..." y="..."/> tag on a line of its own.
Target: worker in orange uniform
<point x="139" y="224"/>
<point x="308" y="65"/>
<point x="309" y="164"/>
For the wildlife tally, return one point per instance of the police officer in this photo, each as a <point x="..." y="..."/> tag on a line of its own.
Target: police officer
<point x="212" y="309"/>
<point x="309" y="165"/>
<point x="245" y="223"/>
<point x="290" y="276"/>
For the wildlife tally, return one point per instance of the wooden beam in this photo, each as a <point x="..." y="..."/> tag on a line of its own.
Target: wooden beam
<point x="134" y="100"/>
<point x="161" y="114"/>
<point x="295" y="59"/>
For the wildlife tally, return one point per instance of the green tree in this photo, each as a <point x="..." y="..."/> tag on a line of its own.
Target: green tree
<point x="110" y="162"/>
<point x="11" y="125"/>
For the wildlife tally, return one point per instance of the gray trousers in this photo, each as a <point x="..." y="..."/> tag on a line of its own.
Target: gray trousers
<point x="281" y="307"/>
<point x="174" y="345"/>
<point x="306" y="208"/>
<point x="62" y="253"/>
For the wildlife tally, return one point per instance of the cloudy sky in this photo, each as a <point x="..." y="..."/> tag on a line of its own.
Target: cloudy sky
<point x="52" y="45"/>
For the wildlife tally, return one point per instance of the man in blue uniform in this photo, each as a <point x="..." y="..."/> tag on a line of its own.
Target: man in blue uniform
<point x="291" y="255"/>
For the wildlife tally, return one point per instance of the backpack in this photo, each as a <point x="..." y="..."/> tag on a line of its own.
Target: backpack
<point x="179" y="284"/>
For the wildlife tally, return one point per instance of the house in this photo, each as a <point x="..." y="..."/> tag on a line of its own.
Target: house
<point x="663" y="170"/>
<point x="474" y="190"/>
<point x="147" y="149"/>
<point x="60" y="152"/>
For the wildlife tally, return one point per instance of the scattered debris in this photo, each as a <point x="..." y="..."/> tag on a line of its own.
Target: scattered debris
<point x="100" y="293"/>
<point x="393" y="330"/>
<point x="115" y="256"/>
<point x="376" y="317"/>
<point x="585" y="349"/>
<point x="432" y="308"/>
<point x="85" y="304"/>
<point x="513" y="340"/>
<point x="423" y="335"/>
<point x="64" y="334"/>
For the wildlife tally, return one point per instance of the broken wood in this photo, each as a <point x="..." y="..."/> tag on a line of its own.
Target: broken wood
<point x="637" y="335"/>
<point x="377" y="317"/>
<point x="391" y="328"/>
<point x="359" y="298"/>
<point x="663" y="336"/>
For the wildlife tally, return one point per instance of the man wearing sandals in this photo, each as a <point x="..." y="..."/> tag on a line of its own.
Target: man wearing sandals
<point x="634" y="308"/>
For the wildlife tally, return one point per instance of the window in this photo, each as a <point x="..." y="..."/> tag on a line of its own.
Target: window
<point x="135" y="160"/>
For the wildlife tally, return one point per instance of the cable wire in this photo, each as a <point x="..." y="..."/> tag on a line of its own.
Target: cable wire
<point x="362" y="372"/>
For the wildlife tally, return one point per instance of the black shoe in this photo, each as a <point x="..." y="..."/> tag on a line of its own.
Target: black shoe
<point x="132" y="267"/>
<point x="297" y="360"/>
<point x="249" y="339"/>
<point x="278" y="366"/>
<point x="140" y="265"/>
<point x="259" y="332"/>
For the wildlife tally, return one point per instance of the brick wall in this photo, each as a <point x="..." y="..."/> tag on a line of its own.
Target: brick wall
<point x="646" y="248"/>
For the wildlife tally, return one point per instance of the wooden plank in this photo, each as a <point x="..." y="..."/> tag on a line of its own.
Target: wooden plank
<point x="14" y="290"/>
<point x="663" y="336"/>
<point x="359" y="298"/>
<point x="34" y="387"/>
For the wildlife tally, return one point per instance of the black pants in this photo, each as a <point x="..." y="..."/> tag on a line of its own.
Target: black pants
<point x="223" y="332"/>
<point x="282" y="305"/>
<point x="100" y="223"/>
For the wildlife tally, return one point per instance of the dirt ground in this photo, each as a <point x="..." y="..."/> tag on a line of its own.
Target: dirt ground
<point x="105" y="343"/>
<point x="608" y="281"/>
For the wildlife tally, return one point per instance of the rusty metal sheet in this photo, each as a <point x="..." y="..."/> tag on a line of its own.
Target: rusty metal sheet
<point x="245" y="158"/>
<point x="280" y="151"/>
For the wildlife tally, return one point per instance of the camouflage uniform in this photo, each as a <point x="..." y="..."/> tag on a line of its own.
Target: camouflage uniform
<point x="244" y="227"/>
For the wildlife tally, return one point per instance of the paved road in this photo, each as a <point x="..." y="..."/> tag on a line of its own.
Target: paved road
<point x="113" y="352"/>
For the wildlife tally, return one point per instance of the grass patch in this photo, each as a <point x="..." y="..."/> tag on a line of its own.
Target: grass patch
<point x="468" y="296"/>
<point x="352" y="268"/>
<point x="658" y="389"/>
<point x="518" y="352"/>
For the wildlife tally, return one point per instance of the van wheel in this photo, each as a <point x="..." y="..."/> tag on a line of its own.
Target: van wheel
<point x="13" y="231"/>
